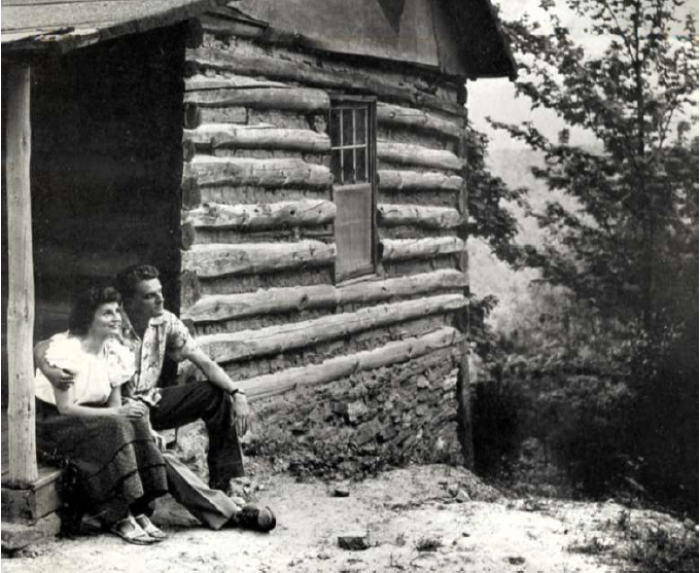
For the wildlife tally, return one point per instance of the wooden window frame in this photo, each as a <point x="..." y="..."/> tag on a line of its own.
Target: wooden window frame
<point x="367" y="272"/>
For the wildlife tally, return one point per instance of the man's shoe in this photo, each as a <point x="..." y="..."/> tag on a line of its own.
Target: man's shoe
<point x="250" y="517"/>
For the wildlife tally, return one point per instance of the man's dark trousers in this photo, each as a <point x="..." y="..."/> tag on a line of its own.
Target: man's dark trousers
<point x="193" y="401"/>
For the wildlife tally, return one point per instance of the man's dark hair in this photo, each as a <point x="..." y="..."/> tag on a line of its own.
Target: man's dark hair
<point x="127" y="280"/>
<point x="86" y="304"/>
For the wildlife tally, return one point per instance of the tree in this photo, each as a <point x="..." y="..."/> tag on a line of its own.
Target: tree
<point x="637" y="225"/>
<point x="628" y="248"/>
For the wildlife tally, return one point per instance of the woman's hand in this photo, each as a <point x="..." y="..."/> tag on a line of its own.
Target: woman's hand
<point x="133" y="409"/>
<point x="240" y="413"/>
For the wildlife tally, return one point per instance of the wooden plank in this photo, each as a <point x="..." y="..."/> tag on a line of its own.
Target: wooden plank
<point x="224" y="135"/>
<point x="248" y="344"/>
<point x="343" y="366"/>
<point x="399" y="249"/>
<point x="393" y="180"/>
<point x="430" y="217"/>
<point x="407" y="117"/>
<point x="201" y="82"/>
<point x="271" y="67"/>
<point x="217" y="260"/>
<point x="409" y="154"/>
<point x="234" y="91"/>
<point x="20" y="306"/>
<point x="282" y="214"/>
<point x="215" y="308"/>
<point x="235" y="115"/>
<point x="36" y="501"/>
<point x="273" y="173"/>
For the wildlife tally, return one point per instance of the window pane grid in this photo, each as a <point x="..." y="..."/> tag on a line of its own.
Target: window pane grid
<point x="349" y="144"/>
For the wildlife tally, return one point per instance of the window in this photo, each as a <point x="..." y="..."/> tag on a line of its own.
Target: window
<point x="352" y="133"/>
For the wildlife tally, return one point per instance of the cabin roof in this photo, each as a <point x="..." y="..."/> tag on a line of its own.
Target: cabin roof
<point x="459" y="37"/>
<point x="63" y="25"/>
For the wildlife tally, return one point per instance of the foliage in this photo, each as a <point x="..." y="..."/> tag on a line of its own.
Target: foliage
<point x="637" y="189"/>
<point x="624" y="242"/>
<point x="657" y="550"/>
<point x="490" y="219"/>
<point x="573" y="417"/>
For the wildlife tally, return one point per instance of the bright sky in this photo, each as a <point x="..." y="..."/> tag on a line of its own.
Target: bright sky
<point x="496" y="97"/>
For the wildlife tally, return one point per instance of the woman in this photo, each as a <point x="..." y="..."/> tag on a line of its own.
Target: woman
<point x="120" y="468"/>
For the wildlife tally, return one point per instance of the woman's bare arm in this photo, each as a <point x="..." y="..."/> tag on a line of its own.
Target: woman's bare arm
<point x="67" y="407"/>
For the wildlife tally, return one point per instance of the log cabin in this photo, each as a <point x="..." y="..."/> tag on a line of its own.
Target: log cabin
<point x="295" y="168"/>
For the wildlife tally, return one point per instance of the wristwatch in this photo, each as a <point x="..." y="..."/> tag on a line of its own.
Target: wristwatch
<point x="235" y="391"/>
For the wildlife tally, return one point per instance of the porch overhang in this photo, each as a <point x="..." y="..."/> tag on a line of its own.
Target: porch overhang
<point x="44" y="26"/>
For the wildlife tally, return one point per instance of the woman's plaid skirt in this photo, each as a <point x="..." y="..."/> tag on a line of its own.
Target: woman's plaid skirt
<point x="117" y="462"/>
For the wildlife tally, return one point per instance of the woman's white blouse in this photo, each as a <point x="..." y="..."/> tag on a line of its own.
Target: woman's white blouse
<point x="96" y="374"/>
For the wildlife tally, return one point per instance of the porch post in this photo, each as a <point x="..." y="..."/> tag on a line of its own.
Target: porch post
<point x="20" y="308"/>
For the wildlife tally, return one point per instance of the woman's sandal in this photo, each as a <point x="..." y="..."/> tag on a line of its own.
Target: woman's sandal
<point x="150" y="529"/>
<point x="135" y="535"/>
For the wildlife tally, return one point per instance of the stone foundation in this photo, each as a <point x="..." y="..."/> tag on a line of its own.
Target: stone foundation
<point x="358" y="425"/>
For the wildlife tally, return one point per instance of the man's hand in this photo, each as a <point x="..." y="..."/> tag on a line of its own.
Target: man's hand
<point x="61" y="378"/>
<point x="240" y="413"/>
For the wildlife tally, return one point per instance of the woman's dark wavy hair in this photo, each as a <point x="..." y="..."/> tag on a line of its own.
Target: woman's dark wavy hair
<point x="86" y="304"/>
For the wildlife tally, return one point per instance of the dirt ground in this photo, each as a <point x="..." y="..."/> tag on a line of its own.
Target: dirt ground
<point x="423" y="518"/>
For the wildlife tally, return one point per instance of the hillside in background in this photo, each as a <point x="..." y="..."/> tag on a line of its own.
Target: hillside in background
<point x="492" y="276"/>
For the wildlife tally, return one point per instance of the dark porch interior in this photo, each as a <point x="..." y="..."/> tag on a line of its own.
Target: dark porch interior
<point x="106" y="165"/>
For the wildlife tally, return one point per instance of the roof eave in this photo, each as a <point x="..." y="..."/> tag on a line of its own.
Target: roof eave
<point x="59" y="41"/>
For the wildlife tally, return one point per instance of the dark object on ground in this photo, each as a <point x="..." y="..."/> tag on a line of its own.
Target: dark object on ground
<point x="341" y="492"/>
<point x="428" y="544"/>
<point x="250" y="517"/>
<point x="353" y="542"/>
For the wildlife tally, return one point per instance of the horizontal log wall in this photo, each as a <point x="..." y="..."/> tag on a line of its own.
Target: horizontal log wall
<point x="394" y="352"/>
<point x="325" y="349"/>
<point x="257" y="226"/>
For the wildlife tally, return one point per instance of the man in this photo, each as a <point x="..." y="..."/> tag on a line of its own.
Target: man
<point x="152" y="332"/>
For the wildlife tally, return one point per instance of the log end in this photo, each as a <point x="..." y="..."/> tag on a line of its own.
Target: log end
<point x="191" y="193"/>
<point x="193" y="116"/>
<point x="187" y="236"/>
